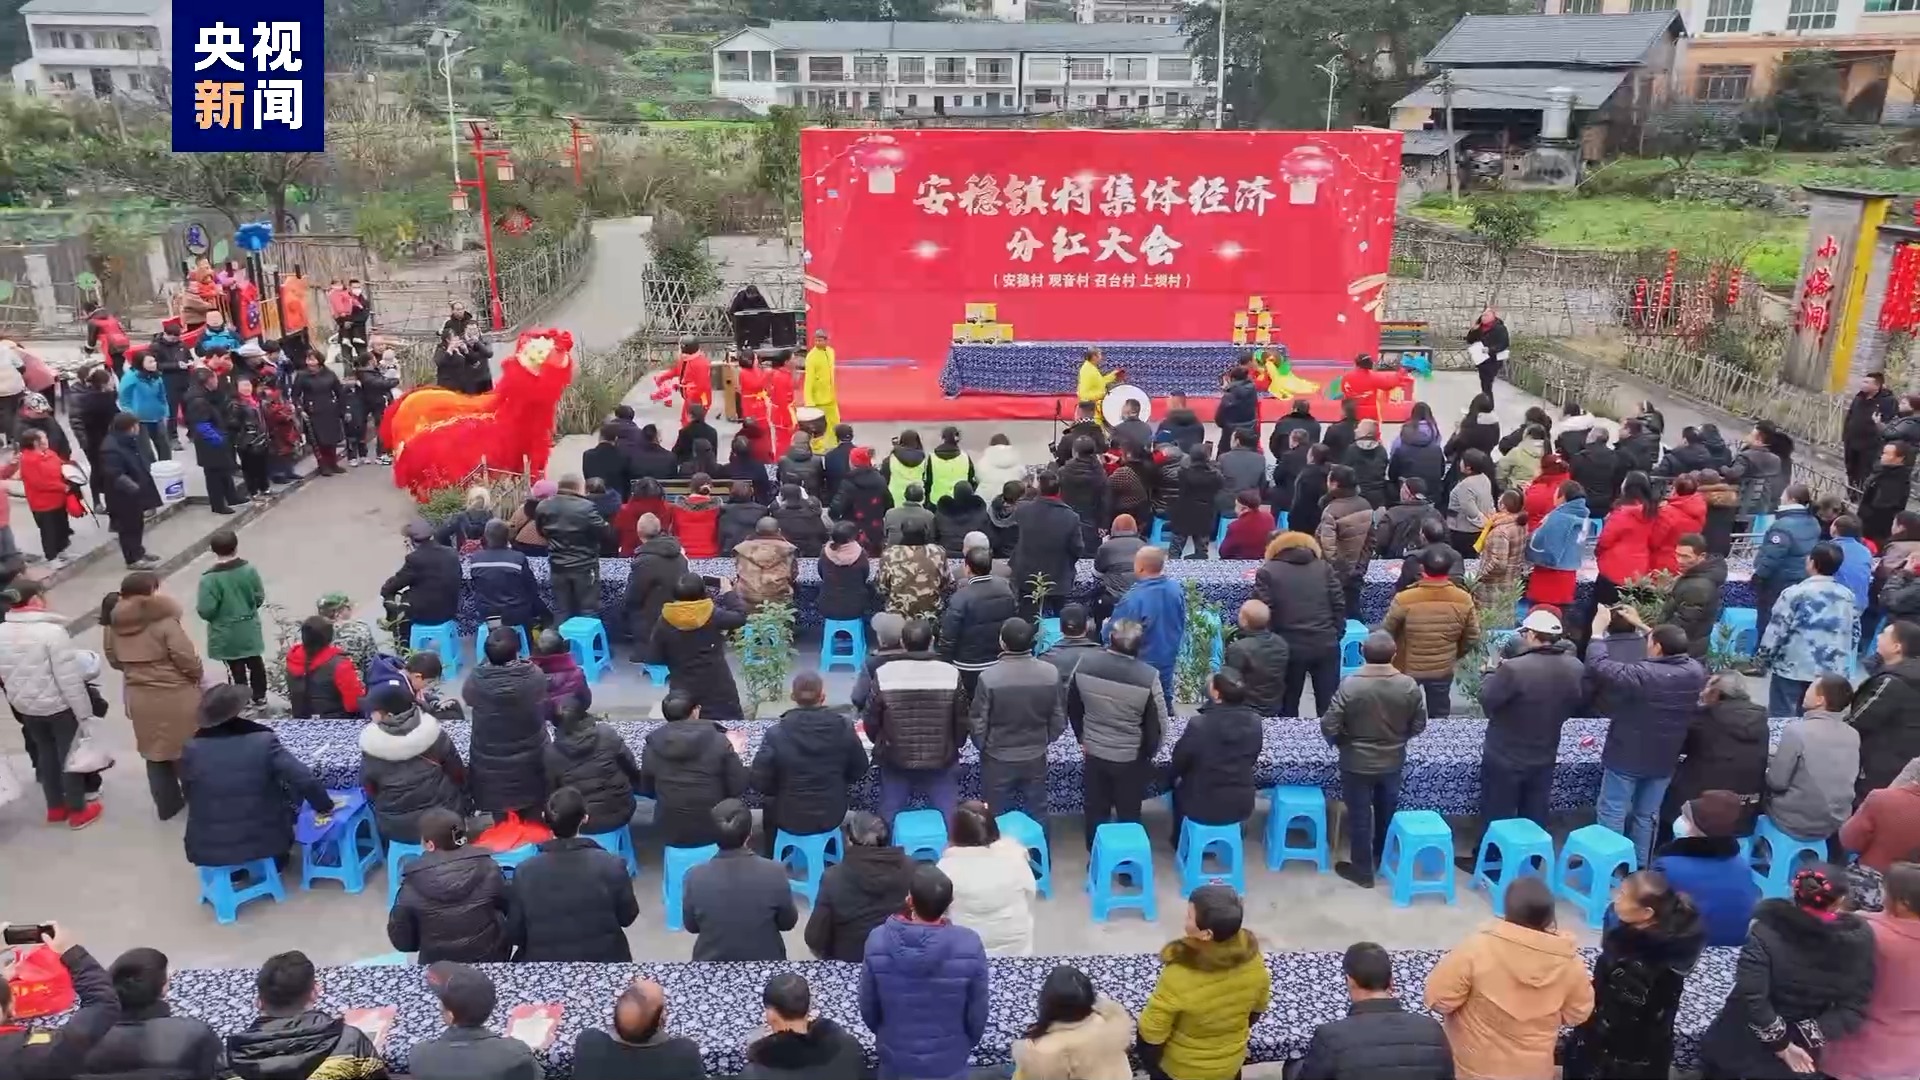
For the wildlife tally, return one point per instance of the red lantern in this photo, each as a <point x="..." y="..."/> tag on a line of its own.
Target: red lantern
<point x="1900" y="308"/>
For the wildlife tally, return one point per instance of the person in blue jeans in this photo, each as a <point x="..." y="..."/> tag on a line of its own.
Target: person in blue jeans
<point x="1814" y="631"/>
<point x="1650" y="703"/>
<point x="1527" y="699"/>
<point x="1371" y="717"/>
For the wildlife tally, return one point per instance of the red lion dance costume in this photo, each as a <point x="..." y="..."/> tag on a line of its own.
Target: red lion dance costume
<point x="439" y="436"/>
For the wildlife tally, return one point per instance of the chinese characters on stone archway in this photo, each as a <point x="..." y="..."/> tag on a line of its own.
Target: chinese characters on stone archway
<point x="1816" y="292"/>
<point x="1114" y="196"/>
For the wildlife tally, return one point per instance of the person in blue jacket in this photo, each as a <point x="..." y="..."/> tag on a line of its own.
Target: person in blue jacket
<point x="1856" y="565"/>
<point x="143" y="392"/>
<point x="1157" y="603"/>
<point x="1554" y="548"/>
<point x="924" y="986"/>
<point x="1782" y="559"/>
<point x="1703" y="860"/>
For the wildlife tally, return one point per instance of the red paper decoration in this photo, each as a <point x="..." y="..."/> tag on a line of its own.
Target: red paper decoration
<point x="1900" y="308"/>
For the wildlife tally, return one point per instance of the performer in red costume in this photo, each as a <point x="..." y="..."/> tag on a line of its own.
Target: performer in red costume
<point x="439" y="436"/>
<point x="780" y="403"/>
<point x="756" y="383"/>
<point x="695" y="378"/>
<point x="1368" y="388"/>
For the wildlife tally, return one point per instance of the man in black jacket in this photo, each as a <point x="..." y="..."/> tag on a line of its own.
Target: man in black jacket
<point x="1595" y="469"/>
<point x="688" y="766"/>
<point x="1299" y="419"/>
<point x="836" y="462"/>
<point x="1307" y="606"/>
<point x="1527" y="698"/>
<point x="1212" y="770"/>
<point x="806" y="765"/>
<point x="1693" y="600"/>
<point x="1887" y="488"/>
<point x="1691" y="455"/>
<point x="1379" y="1039"/>
<point x="292" y="1040"/>
<point x="572" y="899"/>
<point x="453" y="902"/>
<point x="1872" y="406"/>
<point x="508" y="697"/>
<point x="1016" y="713"/>
<point x="1260" y="657"/>
<point x="970" y="624"/>
<point x="1050" y="543"/>
<point x="1635" y="450"/>
<point x="859" y="892"/>
<point x="648" y="458"/>
<point x="798" y="1045"/>
<point x="917" y="719"/>
<point x="609" y="462"/>
<point x="1083" y="486"/>
<point x="691" y="640"/>
<point x="149" y="1040"/>
<point x="502" y="581"/>
<point x="172" y="361"/>
<point x="738" y="902"/>
<point x="467" y="1050"/>
<point x="430" y="576"/>
<point x="1398" y="533"/>
<point x="801" y="521"/>
<point x="1239" y="407"/>
<point x="574" y="530"/>
<point x="696" y="429"/>
<point x="32" y="1053"/>
<point x="1886" y="710"/>
<point x="657" y="567"/>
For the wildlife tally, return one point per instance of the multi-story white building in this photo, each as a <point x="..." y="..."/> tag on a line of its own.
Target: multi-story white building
<point x="966" y="69"/>
<point x="1151" y="12"/>
<point x="97" y="48"/>
<point x="997" y="10"/>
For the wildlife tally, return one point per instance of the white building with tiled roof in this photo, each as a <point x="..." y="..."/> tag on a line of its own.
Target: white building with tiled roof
<point x="97" y="48"/>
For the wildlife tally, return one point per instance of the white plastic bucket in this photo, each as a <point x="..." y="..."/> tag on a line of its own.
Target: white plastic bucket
<point x="171" y="478"/>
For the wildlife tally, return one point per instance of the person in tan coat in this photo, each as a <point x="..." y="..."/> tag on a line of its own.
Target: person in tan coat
<point x="1434" y="623"/>
<point x="1503" y="554"/>
<point x="146" y="643"/>
<point x="1077" y="1033"/>
<point x="1504" y="993"/>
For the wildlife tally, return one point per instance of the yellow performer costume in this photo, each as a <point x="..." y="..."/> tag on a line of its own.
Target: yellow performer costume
<point x="1093" y="383"/>
<point x="817" y="390"/>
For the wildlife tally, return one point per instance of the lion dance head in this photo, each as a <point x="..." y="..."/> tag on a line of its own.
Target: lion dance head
<point x="440" y="437"/>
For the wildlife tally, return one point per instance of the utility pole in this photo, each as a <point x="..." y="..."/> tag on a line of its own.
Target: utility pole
<point x="1220" y="71"/>
<point x="1453" y="167"/>
<point x="1331" y="67"/>
<point x="444" y="39"/>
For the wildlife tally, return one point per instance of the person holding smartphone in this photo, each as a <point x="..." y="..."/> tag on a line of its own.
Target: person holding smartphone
<point x="32" y="1053"/>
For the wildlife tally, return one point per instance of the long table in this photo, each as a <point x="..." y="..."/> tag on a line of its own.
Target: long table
<point x="1442" y="770"/>
<point x="717" y="1005"/>
<point x="1227" y="583"/>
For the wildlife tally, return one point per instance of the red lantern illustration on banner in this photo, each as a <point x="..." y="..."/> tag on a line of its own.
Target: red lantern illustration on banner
<point x="1305" y="168"/>
<point x="881" y="158"/>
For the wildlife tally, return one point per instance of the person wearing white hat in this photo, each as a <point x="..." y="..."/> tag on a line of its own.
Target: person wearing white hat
<point x="1527" y="697"/>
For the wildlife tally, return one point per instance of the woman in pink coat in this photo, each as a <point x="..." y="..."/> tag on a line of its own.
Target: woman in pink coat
<point x="1886" y="1046"/>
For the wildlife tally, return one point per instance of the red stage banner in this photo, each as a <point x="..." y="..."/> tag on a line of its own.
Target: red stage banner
<point x="1164" y="236"/>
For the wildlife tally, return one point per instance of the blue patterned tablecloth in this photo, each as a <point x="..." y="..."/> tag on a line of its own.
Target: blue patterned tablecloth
<point x="1442" y="770"/>
<point x="718" y="1005"/>
<point x="1053" y="367"/>
<point x="1227" y="583"/>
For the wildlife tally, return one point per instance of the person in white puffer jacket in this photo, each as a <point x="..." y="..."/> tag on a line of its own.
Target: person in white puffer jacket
<point x="993" y="887"/>
<point x="46" y="685"/>
<point x="997" y="464"/>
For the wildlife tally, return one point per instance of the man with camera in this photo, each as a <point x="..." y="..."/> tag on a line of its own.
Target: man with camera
<point x="35" y="1053"/>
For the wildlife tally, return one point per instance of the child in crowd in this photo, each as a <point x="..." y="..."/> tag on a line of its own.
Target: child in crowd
<point x="283" y="435"/>
<point x="353" y="417"/>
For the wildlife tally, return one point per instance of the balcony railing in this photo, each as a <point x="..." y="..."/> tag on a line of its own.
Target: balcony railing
<point x="994" y="78"/>
<point x="832" y="75"/>
<point x="950" y="78"/>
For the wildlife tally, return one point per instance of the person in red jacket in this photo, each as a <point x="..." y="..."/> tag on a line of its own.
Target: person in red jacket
<point x="46" y="492"/>
<point x="696" y="520"/>
<point x="1685" y="511"/>
<point x="322" y="680"/>
<point x="1252" y="526"/>
<point x="1625" y="550"/>
<point x="648" y="498"/>
<point x="1542" y="495"/>
<point x="1367" y="388"/>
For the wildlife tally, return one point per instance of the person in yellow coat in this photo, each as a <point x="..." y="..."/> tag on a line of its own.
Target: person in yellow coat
<point x="818" y="391"/>
<point x="1094" y="383"/>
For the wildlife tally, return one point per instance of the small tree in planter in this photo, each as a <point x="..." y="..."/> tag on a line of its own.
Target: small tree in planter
<point x="765" y="645"/>
<point x="1498" y="603"/>
<point x="1647" y="595"/>
<point x="1195" y="665"/>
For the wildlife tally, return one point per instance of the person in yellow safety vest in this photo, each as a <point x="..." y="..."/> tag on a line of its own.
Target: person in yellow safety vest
<point x="907" y="464"/>
<point x="948" y="466"/>
<point x="1093" y="383"/>
<point x="818" y="390"/>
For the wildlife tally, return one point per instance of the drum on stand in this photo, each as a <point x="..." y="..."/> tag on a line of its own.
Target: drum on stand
<point x="1113" y="406"/>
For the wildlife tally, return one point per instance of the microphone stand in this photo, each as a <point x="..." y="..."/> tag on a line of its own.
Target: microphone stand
<point x="1053" y="447"/>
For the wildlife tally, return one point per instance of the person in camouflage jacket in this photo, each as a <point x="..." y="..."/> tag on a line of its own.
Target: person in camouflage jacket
<point x="913" y="574"/>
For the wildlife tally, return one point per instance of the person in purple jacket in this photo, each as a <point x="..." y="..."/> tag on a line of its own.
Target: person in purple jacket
<point x="923" y="988"/>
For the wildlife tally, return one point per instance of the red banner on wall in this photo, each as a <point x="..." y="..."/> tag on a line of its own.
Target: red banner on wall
<point x="1097" y="236"/>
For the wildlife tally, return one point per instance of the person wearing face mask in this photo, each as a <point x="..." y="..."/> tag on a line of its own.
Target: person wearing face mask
<point x="1703" y="860"/>
<point x="1653" y="939"/>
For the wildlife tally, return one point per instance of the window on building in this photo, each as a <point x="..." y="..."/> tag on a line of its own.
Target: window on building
<point x="1078" y="99"/>
<point x="1086" y="68"/>
<point x="1812" y="14"/>
<point x="813" y="98"/>
<point x="1580" y="7"/>
<point x="950" y="69"/>
<point x="1043" y="69"/>
<point x="826" y="68"/>
<point x="913" y="101"/>
<point x="64" y="80"/>
<point x="734" y="66"/>
<point x="978" y="103"/>
<point x="144" y="38"/>
<point x="1723" y="82"/>
<point x="1130" y="69"/>
<point x="911" y="69"/>
<point x="870" y="69"/>
<point x="1043" y="97"/>
<point x="1175" y="69"/>
<point x="56" y="39"/>
<point x="873" y="99"/>
<point x="993" y="70"/>
<point x="136" y="81"/>
<point x="844" y="102"/>
<point x="1141" y="100"/>
<point x="1729" y="16"/>
<point x="762" y="66"/>
<point x="1099" y="101"/>
<point x="1652" y="5"/>
<point x="1883" y="7"/>
<point x="786" y="68"/>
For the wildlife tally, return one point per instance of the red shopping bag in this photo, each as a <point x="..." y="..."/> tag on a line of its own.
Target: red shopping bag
<point x="511" y="832"/>
<point x="40" y="984"/>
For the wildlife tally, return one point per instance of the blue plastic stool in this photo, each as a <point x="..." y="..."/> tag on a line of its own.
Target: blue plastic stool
<point x="922" y="834"/>
<point x="588" y="636"/>
<point x="620" y="842"/>
<point x="257" y="878"/>
<point x="1280" y="521"/>
<point x="1351" y="639"/>
<point x="1521" y="847"/>
<point x="810" y="854"/>
<point x="1289" y="805"/>
<point x="1032" y="835"/>
<point x="1743" y="629"/>
<point x="443" y="638"/>
<point x="678" y="861"/>
<point x="1418" y="843"/>
<point x="385" y="959"/>
<point x="1158" y="534"/>
<point x="1048" y="636"/>
<point x="1760" y="524"/>
<point x="526" y="646"/>
<point x="656" y="674"/>
<point x="1220" y="535"/>
<point x="1779" y="851"/>
<point x="398" y="856"/>
<point x="511" y="858"/>
<point x="345" y="854"/>
<point x="1224" y="840"/>
<point x="854" y="656"/>
<point x="1583" y="875"/>
<point x="1121" y="849"/>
